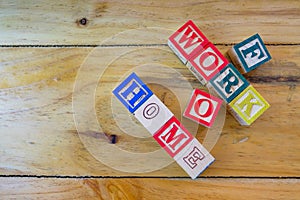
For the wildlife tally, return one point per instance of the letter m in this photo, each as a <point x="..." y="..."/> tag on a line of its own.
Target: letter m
<point x="173" y="137"/>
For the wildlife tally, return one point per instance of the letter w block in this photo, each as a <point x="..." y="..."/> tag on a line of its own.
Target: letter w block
<point x="187" y="40"/>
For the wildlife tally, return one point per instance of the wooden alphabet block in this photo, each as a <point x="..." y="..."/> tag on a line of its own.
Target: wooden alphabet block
<point x="173" y="137"/>
<point x="203" y="108"/>
<point x="187" y="40"/>
<point x="248" y="106"/>
<point x="229" y="83"/>
<point x="153" y="114"/>
<point x="194" y="159"/>
<point x="132" y="92"/>
<point x="249" y="54"/>
<point x="163" y="126"/>
<point x="206" y="63"/>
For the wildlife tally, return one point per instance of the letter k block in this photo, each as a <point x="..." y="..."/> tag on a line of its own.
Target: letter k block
<point x="248" y="106"/>
<point x="249" y="54"/>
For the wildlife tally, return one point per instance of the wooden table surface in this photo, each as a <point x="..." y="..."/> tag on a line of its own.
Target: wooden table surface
<point x="55" y="68"/>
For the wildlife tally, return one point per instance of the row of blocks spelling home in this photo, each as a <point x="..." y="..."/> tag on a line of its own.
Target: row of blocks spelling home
<point x="211" y="68"/>
<point x="163" y="125"/>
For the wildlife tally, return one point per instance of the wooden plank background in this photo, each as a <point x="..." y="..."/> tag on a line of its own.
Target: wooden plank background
<point x="43" y="46"/>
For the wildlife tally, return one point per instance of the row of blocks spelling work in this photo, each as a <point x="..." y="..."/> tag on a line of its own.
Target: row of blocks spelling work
<point x="211" y="68"/>
<point x="163" y="125"/>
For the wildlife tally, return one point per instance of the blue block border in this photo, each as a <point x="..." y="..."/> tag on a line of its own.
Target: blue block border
<point x="245" y="66"/>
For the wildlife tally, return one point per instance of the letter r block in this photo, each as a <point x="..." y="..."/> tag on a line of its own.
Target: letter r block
<point x="206" y="63"/>
<point x="248" y="106"/>
<point x="229" y="83"/>
<point x="203" y="108"/>
<point x="249" y="54"/>
<point x="132" y="92"/>
<point x="187" y="40"/>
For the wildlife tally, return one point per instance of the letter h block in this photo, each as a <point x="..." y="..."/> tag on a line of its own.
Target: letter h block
<point x="248" y="106"/>
<point x="249" y="54"/>
<point x="132" y="92"/>
<point x="187" y="40"/>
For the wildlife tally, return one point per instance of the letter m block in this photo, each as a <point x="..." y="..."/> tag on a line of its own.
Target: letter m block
<point x="132" y="92"/>
<point x="173" y="137"/>
<point x="187" y="40"/>
<point x="248" y="106"/>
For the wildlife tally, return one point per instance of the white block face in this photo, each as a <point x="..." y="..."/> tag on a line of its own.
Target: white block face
<point x="256" y="105"/>
<point x="208" y="106"/>
<point x="261" y="54"/>
<point x="194" y="159"/>
<point x="153" y="114"/>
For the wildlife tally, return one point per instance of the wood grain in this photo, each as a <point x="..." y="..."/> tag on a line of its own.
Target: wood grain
<point x="39" y="137"/>
<point x="50" y="188"/>
<point x="53" y="96"/>
<point x="51" y="23"/>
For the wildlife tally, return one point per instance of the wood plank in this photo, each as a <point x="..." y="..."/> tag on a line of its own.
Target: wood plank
<point x="53" y="188"/>
<point x="39" y="137"/>
<point x="43" y="23"/>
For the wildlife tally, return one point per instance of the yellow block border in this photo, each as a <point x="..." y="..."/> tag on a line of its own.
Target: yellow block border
<point x="248" y="120"/>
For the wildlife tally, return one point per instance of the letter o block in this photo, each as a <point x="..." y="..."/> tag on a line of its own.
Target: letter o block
<point x="187" y="40"/>
<point x="206" y="63"/>
<point x="203" y="108"/>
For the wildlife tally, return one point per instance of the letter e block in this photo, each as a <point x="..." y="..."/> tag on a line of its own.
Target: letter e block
<point x="249" y="54"/>
<point x="173" y="137"/>
<point x="229" y="83"/>
<point x="206" y="63"/>
<point x="195" y="159"/>
<point x="187" y="40"/>
<point x="203" y="108"/>
<point x="248" y="106"/>
<point x="153" y="114"/>
<point x="132" y="92"/>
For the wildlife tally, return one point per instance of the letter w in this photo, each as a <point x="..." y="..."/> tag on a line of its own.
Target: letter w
<point x="171" y="136"/>
<point x="188" y="38"/>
